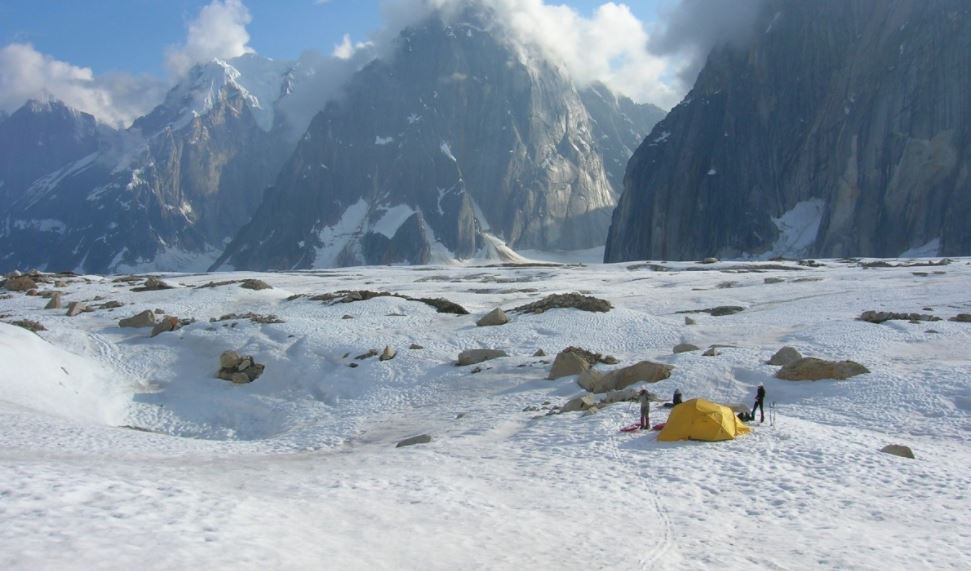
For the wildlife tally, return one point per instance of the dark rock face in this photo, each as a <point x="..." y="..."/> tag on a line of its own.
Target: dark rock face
<point x="449" y="140"/>
<point x="850" y="116"/>
<point x="41" y="137"/>
<point x="619" y="127"/>
<point x="168" y="192"/>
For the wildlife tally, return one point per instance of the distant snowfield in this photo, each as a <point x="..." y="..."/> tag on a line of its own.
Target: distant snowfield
<point x="299" y="470"/>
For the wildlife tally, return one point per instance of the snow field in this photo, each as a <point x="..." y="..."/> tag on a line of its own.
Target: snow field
<point x="299" y="469"/>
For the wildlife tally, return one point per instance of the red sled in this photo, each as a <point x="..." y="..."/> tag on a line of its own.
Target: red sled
<point x="631" y="428"/>
<point x="659" y="427"/>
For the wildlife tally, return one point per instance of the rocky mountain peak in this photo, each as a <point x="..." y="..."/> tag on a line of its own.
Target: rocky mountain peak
<point x="251" y="80"/>
<point x="451" y="147"/>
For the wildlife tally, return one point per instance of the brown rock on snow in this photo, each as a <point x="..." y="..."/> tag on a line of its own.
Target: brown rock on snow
<point x="567" y="363"/>
<point x="812" y="369"/>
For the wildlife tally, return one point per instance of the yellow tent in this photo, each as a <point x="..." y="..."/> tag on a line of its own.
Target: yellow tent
<point x="699" y="419"/>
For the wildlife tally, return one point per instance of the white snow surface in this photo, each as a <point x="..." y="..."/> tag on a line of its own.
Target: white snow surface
<point x="928" y="250"/>
<point x="169" y="259"/>
<point x="299" y="470"/>
<point x="391" y="220"/>
<point x="798" y="229"/>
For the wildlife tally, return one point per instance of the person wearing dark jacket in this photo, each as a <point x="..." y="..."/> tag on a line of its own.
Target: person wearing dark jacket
<point x="759" y="403"/>
<point x="644" y="399"/>
<point x="677" y="397"/>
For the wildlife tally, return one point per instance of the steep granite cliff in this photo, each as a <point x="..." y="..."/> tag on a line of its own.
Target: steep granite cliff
<point x="843" y="127"/>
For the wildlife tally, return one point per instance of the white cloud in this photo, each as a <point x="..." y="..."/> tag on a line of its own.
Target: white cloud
<point x="219" y="31"/>
<point x="609" y="46"/>
<point x="115" y="99"/>
<point x="346" y="49"/>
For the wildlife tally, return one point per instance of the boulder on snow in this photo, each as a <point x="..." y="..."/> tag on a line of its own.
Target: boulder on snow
<point x="685" y="348"/>
<point x="167" y="324"/>
<point x="387" y="354"/>
<point x="29" y="325"/>
<point x="420" y="439"/>
<point x="723" y="310"/>
<point x="883" y="316"/>
<point x="495" y="317"/>
<point x="475" y="356"/>
<point x="962" y="318"/>
<point x="256" y="285"/>
<point x="20" y="283"/>
<point x="710" y="261"/>
<point x="143" y="319"/>
<point x="625" y="395"/>
<point x="582" y="402"/>
<point x="689" y="321"/>
<point x="898" y="450"/>
<point x="239" y="369"/>
<point x="567" y="363"/>
<point x="229" y="360"/>
<point x="539" y="353"/>
<point x="153" y="284"/>
<point x="567" y="301"/>
<point x="711" y="352"/>
<point x="645" y="371"/>
<point x="812" y="369"/>
<point x="785" y="356"/>
<point x="55" y="302"/>
<point x="75" y="308"/>
<point x="770" y="281"/>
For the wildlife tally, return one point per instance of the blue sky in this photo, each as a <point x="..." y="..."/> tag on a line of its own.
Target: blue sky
<point x="132" y="35"/>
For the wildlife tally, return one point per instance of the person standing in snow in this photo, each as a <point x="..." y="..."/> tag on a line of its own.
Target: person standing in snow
<point x="759" y="400"/>
<point x="645" y="409"/>
<point x="677" y="397"/>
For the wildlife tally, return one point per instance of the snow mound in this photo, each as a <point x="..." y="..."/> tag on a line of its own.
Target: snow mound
<point x="39" y="376"/>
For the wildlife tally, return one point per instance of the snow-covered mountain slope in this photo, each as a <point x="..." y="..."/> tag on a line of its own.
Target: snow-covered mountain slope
<point x="301" y="466"/>
<point x="168" y="193"/>
<point x="455" y="134"/>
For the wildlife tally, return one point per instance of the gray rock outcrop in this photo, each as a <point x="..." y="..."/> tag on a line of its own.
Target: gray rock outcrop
<point x="812" y="369"/>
